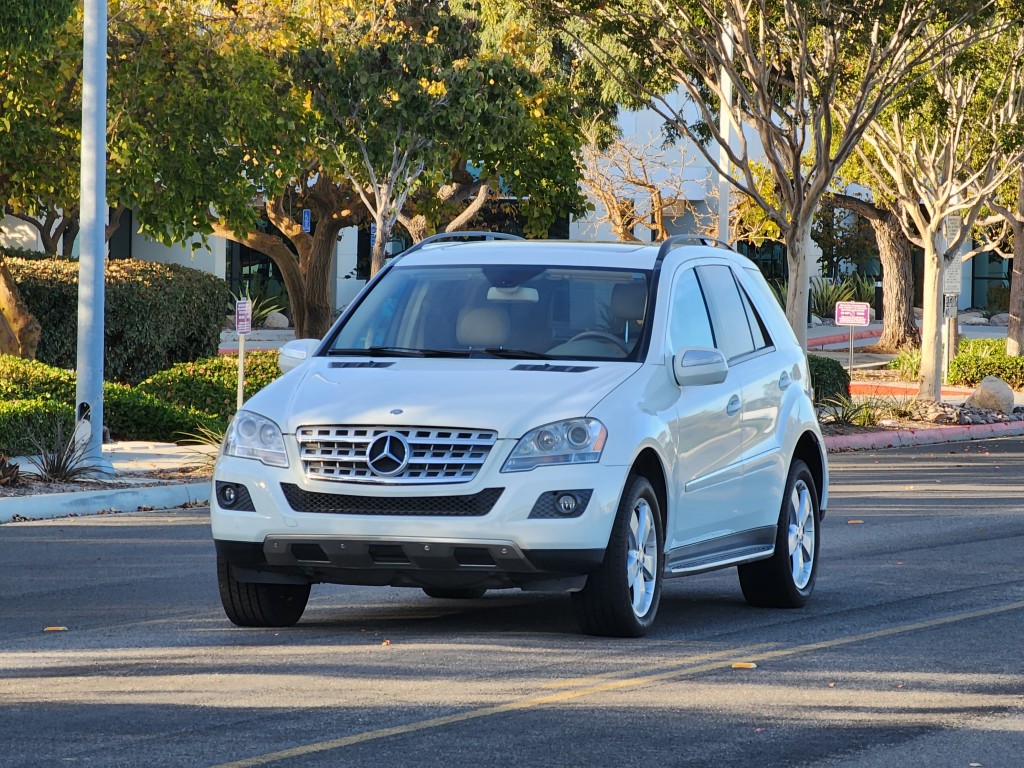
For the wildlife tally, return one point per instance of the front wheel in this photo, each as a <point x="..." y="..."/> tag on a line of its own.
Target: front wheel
<point x="621" y="597"/>
<point x="786" y="579"/>
<point x="260" y="605"/>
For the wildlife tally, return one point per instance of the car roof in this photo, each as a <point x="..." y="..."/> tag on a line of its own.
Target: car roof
<point x="561" y="252"/>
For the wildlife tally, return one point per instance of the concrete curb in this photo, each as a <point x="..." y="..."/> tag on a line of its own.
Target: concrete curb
<point x="839" y="338"/>
<point x="49" y="505"/>
<point x="900" y="438"/>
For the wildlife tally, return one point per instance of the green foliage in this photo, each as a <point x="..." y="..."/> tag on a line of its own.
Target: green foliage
<point x="60" y="458"/>
<point x="828" y="377"/>
<point x="156" y="314"/>
<point x="998" y="300"/>
<point x="132" y="414"/>
<point x="20" y="420"/>
<point x="779" y="289"/>
<point x="825" y="293"/>
<point x="908" y="363"/>
<point x="863" y="287"/>
<point x="210" y="385"/>
<point x="978" y="358"/>
<point x="20" y="378"/>
<point x="844" y="410"/>
<point x="28" y="25"/>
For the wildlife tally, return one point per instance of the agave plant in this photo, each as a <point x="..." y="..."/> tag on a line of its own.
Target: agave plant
<point x="9" y="472"/>
<point x="862" y="286"/>
<point x="826" y="293"/>
<point x="62" y="459"/>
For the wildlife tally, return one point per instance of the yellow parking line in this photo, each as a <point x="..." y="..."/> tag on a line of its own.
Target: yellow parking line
<point x="679" y="669"/>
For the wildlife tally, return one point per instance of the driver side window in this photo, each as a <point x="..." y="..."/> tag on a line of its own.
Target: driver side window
<point x="689" y="325"/>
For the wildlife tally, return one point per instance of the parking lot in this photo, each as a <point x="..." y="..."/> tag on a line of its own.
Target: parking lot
<point x="908" y="654"/>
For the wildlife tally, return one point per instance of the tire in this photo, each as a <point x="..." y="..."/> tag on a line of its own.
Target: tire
<point x="260" y="605"/>
<point x="621" y="597"/>
<point x="454" y="593"/>
<point x="786" y="579"/>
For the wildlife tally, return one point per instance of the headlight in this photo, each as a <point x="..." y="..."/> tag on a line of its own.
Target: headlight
<point x="577" y="441"/>
<point x="252" y="436"/>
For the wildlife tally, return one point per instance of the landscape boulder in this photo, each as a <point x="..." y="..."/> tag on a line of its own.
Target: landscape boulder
<point x="1003" y="318"/>
<point x="992" y="393"/>
<point x="275" y="320"/>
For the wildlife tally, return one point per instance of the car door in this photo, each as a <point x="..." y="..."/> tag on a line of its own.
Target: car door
<point x="705" y="430"/>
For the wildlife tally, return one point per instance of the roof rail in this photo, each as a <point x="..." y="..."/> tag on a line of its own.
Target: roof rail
<point x="668" y="244"/>
<point x="457" y="236"/>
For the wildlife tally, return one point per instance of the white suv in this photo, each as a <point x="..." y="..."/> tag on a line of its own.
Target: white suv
<point x="580" y="417"/>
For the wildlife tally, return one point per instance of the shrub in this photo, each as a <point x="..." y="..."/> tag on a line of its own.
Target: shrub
<point x="22" y="379"/>
<point x="131" y="414"/>
<point x="22" y="421"/>
<point x="825" y="293"/>
<point x="156" y="314"/>
<point x="908" y="363"/>
<point x="998" y="300"/>
<point x="211" y="385"/>
<point x="978" y="358"/>
<point x="862" y="287"/>
<point x="829" y="379"/>
<point x="846" y="411"/>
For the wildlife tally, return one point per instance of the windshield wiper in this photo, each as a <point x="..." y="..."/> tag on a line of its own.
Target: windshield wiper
<point x="515" y="353"/>
<point x="398" y="352"/>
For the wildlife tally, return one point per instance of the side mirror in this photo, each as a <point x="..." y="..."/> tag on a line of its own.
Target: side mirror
<point x="295" y="353"/>
<point x="699" y="366"/>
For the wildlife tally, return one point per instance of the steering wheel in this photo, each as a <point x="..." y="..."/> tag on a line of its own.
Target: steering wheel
<point x="601" y="336"/>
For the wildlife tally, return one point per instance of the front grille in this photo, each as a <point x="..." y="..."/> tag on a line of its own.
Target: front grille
<point x="474" y="505"/>
<point x="434" y="455"/>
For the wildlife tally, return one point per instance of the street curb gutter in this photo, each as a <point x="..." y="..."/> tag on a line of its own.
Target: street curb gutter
<point x="49" y="505"/>
<point x="900" y="438"/>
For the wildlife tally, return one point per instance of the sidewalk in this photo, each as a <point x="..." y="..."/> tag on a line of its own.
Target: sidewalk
<point x="129" y="459"/>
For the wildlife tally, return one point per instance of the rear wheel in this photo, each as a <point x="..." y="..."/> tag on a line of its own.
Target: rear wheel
<point x="454" y="593"/>
<point x="621" y="597"/>
<point x="786" y="579"/>
<point x="260" y="605"/>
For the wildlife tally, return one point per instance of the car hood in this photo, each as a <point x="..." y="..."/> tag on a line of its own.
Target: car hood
<point x="507" y="396"/>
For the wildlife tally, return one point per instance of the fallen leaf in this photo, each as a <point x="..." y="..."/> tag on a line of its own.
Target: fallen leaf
<point x="744" y="665"/>
<point x="854" y="522"/>
<point x="55" y="629"/>
<point x="386" y="642"/>
<point x="831" y="685"/>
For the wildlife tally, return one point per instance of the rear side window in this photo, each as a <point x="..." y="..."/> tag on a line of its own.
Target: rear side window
<point x="689" y="325"/>
<point x="728" y="313"/>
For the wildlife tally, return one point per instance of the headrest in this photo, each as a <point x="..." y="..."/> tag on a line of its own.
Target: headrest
<point x="629" y="300"/>
<point x="482" y="327"/>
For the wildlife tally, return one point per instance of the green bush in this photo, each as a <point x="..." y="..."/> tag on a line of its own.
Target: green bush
<point x="22" y="379"/>
<point x="156" y="314"/>
<point x="829" y="379"/>
<point x="862" y="287"/>
<point x="908" y="363"/>
<point x="22" y="420"/>
<point x="978" y="358"/>
<point x="824" y="294"/>
<point x="130" y="414"/>
<point x="998" y="299"/>
<point x="211" y="385"/>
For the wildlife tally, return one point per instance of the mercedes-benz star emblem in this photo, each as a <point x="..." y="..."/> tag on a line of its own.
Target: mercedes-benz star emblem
<point x="388" y="454"/>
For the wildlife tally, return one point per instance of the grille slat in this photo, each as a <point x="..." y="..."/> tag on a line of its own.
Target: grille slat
<point x="475" y="505"/>
<point x="436" y="455"/>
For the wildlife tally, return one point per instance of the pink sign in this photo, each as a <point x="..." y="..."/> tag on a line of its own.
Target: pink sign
<point x="243" y="316"/>
<point x="853" y="313"/>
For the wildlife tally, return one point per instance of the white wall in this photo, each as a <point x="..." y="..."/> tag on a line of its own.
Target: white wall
<point x="346" y="285"/>
<point x="210" y="258"/>
<point x="15" y="233"/>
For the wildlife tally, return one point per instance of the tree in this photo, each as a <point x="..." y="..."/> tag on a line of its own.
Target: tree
<point x="637" y="185"/>
<point x="1007" y="218"/>
<point x="941" y="153"/>
<point x="788" y="63"/>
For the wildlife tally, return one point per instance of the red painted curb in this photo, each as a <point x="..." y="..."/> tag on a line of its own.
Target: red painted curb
<point x="825" y="341"/>
<point x="896" y="388"/>
<point x="899" y="438"/>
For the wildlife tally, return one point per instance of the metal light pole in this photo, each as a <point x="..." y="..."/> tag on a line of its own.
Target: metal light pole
<point x="91" y="264"/>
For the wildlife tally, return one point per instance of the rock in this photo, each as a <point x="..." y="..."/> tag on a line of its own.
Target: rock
<point x="229" y="322"/>
<point x="972" y="320"/>
<point x="275" y="320"/>
<point x="918" y="312"/>
<point x="994" y="394"/>
<point x="815" y="320"/>
<point x="1003" y="318"/>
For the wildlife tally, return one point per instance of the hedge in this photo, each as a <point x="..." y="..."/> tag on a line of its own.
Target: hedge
<point x="156" y="314"/>
<point x="22" y="420"/>
<point x="29" y="379"/>
<point x="828" y="377"/>
<point x="978" y="358"/>
<point x="211" y="385"/>
<point x="133" y="415"/>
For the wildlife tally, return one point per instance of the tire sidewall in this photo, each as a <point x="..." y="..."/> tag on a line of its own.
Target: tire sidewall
<point x="799" y="471"/>
<point x="637" y="488"/>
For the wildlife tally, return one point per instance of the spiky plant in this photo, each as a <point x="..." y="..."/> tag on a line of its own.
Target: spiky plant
<point x="9" y="472"/>
<point x="62" y="460"/>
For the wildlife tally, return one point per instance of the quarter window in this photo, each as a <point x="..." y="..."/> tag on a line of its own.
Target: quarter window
<point x="689" y="326"/>
<point x="728" y="315"/>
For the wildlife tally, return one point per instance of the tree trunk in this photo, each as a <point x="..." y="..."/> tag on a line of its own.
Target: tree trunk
<point x="1015" y="330"/>
<point x="416" y="225"/>
<point x="380" y="245"/>
<point x="317" y="280"/>
<point x="930" y="379"/>
<point x="798" y="255"/>
<point x="899" y="328"/>
<point x="19" y="330"/>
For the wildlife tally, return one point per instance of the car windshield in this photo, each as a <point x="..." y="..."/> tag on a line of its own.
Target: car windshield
<point x="508" y="311"/>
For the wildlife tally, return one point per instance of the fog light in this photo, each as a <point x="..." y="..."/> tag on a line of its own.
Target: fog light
<point x="566" y="503"/>
<point x="228" y="495"/>
<point x="234" y="496"/>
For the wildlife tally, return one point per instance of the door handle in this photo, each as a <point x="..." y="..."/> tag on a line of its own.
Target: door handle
<point x="734" y="406"/>
<point x="785" y="380"/>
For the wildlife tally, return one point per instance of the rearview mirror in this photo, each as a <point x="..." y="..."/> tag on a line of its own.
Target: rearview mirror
<point x="295" y="353"/>
<point x="699" y="366"/>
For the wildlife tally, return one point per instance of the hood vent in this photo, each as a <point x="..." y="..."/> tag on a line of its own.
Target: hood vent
<point x="554" y="368"/>
<point x="361" y="364"/>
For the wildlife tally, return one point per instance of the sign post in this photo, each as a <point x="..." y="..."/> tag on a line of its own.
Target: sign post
<point x="852" y="313"/>
<point x="243" y="325"/>
<point x="952" y="285"/>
